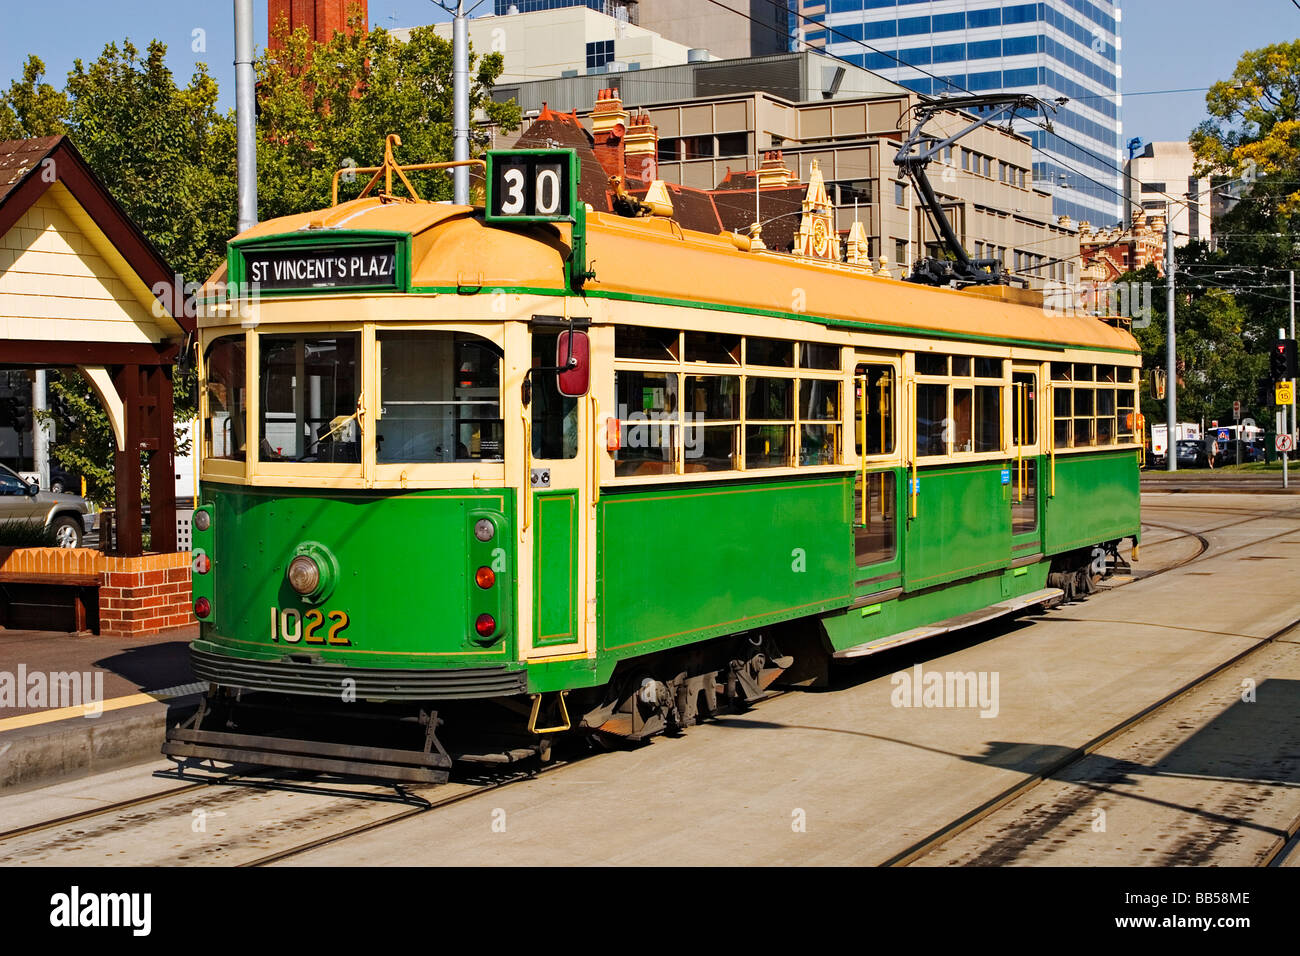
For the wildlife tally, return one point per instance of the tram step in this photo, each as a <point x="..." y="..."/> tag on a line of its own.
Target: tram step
<point x="952" y="624"/>
<point x="409" y="766"/>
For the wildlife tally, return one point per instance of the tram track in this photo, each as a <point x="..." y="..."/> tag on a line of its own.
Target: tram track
<point x="919" y="849"/>
<point x="108" y="809"/>
<point x="1285" y="843"/>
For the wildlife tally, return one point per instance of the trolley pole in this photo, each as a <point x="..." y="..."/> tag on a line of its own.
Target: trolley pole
<point x="245" y="115"/>
<point x="460" y="103"/>
<point x="1171" y="353"/>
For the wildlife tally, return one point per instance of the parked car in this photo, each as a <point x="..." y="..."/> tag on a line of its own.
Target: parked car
<point x="1228" y="453"/>
<point x="1192" y="454"/>
<point x="69" y="516"/>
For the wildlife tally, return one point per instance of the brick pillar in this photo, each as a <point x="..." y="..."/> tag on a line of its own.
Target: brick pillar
<point x="145" y="594"/>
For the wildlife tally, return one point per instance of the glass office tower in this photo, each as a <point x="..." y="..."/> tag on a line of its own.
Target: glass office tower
<point x="1054" y="48"/>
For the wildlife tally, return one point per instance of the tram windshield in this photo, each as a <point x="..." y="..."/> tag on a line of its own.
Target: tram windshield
<point x="439" y="398"/>
<point x="310" y="393"/>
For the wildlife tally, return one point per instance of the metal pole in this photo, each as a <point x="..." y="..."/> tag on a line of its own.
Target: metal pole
<point x="40" y="431"/>
<point x="1283" y="423"/>
<point x="460" y="102"/>
<point x="245" y="115"/>
<point x="1171" y="353"/>
<point x="1293" y="336"/>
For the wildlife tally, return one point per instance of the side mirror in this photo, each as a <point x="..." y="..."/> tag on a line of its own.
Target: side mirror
<point x="573" y="358"/>
<point x="33" y="491"/>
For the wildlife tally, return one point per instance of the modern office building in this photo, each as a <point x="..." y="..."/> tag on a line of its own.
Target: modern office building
<point x="756" y="28"/>
<point x="1162" y="180"/>
<point x="571" y="40"/>
<point x="1053" y="48"/>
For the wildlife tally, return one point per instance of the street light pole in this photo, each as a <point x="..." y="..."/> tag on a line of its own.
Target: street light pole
<point x="460" y="103"/>
<point x="1171" y="351"/>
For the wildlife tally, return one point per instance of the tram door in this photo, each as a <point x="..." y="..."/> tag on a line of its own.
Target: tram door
<point x="877" y="484"/>
<point x="1027" y="442"/>
<point x="560" y="513"/>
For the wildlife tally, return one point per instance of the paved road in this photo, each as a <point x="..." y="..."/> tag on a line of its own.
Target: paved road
<point x="847" y="776"/>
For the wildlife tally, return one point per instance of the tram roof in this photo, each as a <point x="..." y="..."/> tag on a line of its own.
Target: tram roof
<point x="654" y="259"/>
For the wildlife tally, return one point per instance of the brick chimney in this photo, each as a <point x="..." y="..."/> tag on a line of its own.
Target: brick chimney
<point x="773" y="171"/>
<point x="322" y="18"/>
<point x="609" y="129"/>
<point x="641" y="149"/>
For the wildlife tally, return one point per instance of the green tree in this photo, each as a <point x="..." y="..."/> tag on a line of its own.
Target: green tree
<point x="1254" y="124"/>
<point x="164" y="151"/>
<point x="326" y="106"/>
<point x="32" y="107"/>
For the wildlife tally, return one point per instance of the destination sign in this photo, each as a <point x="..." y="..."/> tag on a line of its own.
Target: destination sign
<point x="369" y="266"/>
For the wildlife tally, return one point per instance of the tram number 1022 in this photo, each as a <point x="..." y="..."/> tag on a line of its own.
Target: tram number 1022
<point x="531" y="185"/>
<point x="309" y="627"/>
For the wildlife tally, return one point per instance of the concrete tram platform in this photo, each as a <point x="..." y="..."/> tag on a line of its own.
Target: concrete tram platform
<point x="74" y="705"/>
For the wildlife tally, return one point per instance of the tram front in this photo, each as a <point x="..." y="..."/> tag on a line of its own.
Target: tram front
<point x="368" y="488"/>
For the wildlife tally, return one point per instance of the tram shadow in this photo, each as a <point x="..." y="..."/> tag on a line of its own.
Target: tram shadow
<point x="863" y="670"/>
<point x="152" y="667"/>
<point x="1253" y="741"/>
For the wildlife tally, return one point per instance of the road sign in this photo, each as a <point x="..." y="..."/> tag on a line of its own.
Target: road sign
<point x="1223" y="434"/>
<point x="1236" y="411"/>
<point x="1284" y="442"/>
<point x="1284" y="394"/>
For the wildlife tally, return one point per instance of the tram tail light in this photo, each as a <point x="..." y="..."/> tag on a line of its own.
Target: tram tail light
<point x="485" y="578"/>
<point x="202" y="607"/>
<point x="613" y="441"/>
<point x="485" y="625"/>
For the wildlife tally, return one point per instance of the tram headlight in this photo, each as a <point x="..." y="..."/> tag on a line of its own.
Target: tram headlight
<point x="303" y="574"/>
<point x="484" y="529"/>
<point x="312" y="571"/>
<point x="202" y="520"/>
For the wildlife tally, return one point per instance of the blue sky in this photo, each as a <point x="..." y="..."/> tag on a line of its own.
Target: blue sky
<point x="1168" y="44"/>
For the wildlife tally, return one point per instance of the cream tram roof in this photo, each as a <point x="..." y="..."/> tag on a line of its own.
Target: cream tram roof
<point x="655" y="258"/>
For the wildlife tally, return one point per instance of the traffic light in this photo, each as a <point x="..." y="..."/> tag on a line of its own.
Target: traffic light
<point x="22" y="410"/>
<point x="1282" y="360"/>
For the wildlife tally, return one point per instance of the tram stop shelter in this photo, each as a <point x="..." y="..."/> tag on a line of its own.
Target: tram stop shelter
<point x="81" y="286"/>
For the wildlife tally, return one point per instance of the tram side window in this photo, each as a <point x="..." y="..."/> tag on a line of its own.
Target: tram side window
<point x="554" y="416"/>
<point x="769" y="418"/>
<point x="819" y="416"/>
<point x="1024" y="393"/>
<point x="224" y="430"/>
<point x="647" y="415"/>
<point x="1093" y="405"/>
<point x="439" y="398"/>
<point x="310" y="391"/>
<point x="874" y="385"/>
<point x="710" y="439"/>
<point x="932" y="427"/>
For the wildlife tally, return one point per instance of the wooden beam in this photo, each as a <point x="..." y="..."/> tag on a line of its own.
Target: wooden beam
<point x="129" y="541"/>
<point x="162" y="465"/>
<point x="53" y="354"/>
